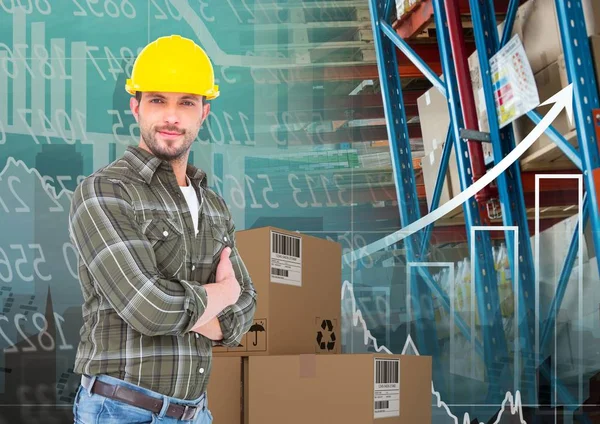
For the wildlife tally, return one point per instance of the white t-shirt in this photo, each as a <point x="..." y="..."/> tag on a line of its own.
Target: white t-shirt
<point x="192" y="201"/>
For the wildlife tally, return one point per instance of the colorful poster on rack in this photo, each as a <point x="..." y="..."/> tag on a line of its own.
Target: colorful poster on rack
<point x="515" y="92"/>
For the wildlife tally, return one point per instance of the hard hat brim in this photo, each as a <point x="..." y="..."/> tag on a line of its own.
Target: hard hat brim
<point x="209" y="94"/>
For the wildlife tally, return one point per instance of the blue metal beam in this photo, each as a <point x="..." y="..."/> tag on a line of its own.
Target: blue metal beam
<point x="561" y="287"/>
<point x="406" y="189"/>
<point x="413" y="57"/>
<point x="509" y="21"/>
<point x="386" y="12"/>
<point x="559" y="139"/>
<point x="486" y="286"/>
<point x="439" y="185"/>
<point x="580" y="71"/>
<point x="397" y="128"/>
<point x="510" y="189"/>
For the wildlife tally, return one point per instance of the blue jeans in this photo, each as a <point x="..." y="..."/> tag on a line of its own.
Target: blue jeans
<point x="89" y="408"/>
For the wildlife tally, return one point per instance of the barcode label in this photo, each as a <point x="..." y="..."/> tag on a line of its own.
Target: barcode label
<point x="386" y="372"/>
<point x="280" y="272"/>
<point x="286" y="245"/>
<point x="387" y="388"/>
<point x="286" y="259"/>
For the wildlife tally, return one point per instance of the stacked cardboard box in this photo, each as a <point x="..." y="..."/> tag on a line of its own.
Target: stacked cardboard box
<point x="224" y="392"/>
<point x="544" y="153"/>
<point x="536" y="24"/>
<point x="347" y="388"/>
<point x="289" y="367"/>
<point x="435" y="120"/>
<point x="595" y="48"/>
<point x="298" y="281"/>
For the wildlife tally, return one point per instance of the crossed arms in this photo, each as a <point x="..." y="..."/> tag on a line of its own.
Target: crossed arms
<point x="121" y="261"/>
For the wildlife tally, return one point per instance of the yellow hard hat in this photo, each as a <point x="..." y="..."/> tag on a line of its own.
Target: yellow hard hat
<point x="173" y="64"/>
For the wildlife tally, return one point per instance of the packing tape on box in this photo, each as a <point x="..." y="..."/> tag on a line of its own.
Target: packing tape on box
<point x="434" y="143"/>
<point x="308" y="365"/>
<point x="544" y="76"/>
<point x="544" y="59"/>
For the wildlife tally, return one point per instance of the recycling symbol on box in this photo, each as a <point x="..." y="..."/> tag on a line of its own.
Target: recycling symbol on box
<point x="326" y="336"/>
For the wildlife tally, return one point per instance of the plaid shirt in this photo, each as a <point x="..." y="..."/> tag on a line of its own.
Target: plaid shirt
<point x="142" y="271"/>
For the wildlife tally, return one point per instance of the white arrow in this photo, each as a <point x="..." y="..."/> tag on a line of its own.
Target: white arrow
<point x="562" y="100"/>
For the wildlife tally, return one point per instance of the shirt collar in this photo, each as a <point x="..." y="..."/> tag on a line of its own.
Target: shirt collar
<point x="146" y="164"/>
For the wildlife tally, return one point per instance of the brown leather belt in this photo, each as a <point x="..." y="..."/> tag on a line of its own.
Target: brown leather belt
<point x="139" y="399"/>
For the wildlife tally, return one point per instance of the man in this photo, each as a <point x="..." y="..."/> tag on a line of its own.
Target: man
<point x="161" y="278"/>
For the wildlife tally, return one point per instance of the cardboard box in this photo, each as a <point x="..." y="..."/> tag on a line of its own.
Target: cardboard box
<point x="591" y="14"/>
<point x="549" y="81"/>
<point x="536" y="24"/>
<point x="298" y="280"/>
<point x="325" y="389"/>
<point x="224" y="392"/>
<point x="430" y="164"/>
<point x="544" y="153"/>
<point x="595" y="48"/>
<point x="434" y="118"/>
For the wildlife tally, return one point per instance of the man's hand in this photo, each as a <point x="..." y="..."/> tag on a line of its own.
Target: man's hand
<point x="226" y="276"/>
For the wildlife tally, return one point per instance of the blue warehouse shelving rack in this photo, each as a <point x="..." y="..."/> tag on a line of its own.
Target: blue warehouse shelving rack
<point x="493" y="344"/>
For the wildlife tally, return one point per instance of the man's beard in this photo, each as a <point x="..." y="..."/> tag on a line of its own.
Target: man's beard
<point x="149" y="135"/>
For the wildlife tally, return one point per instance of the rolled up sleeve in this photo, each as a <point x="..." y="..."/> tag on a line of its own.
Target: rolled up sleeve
<point x="236" y="319"/>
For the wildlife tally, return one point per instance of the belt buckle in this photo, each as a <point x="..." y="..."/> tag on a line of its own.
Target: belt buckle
<point x="189" y="412"/>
